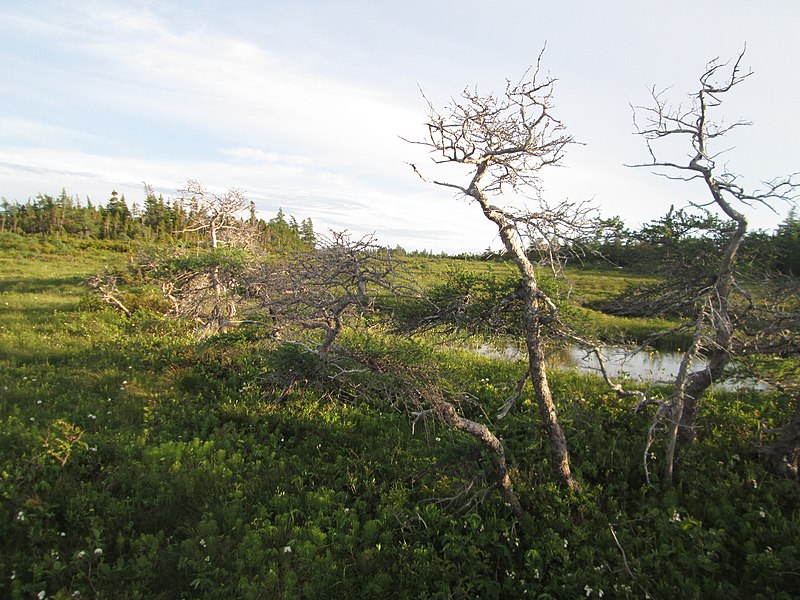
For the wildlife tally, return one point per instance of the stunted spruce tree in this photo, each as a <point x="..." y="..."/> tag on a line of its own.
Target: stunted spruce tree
<point x="505" y="141"/>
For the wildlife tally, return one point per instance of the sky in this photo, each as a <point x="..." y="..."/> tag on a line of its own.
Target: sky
<point x="303" y="105"/>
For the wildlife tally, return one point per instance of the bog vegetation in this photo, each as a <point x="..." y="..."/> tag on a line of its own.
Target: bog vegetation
<point x="199" y="403"/>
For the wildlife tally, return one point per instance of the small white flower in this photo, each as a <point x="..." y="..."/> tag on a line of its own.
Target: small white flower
<point x="287" y="549"/>
<point x="588" y="590"/>
<point x="63" y="534"/>
<point x="21" y="517"/>
<point x="93" y="448"/>
<point x="600" y="593"/>
<point x="676" y="517"/>
<point x="203" y="543"/>
<point x="81" y="554"/>
<point x="91" y="416"/>
<point x="32" y="419"/>
<point x="41" y="595"/>
<point x="38" y="402"/>
<point x="98" y="551"/>
<point x="762" y="513"/>
<point x="438" y="439"/>
<point x="566" y="543"/>
<point x="13" y="575"/>
<point x="125" y="382"/>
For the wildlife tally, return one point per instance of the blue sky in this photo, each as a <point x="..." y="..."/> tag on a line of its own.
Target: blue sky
<point x="302" y="104"/>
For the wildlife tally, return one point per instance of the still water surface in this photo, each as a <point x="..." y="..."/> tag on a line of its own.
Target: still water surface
<point x="654" y="366"/>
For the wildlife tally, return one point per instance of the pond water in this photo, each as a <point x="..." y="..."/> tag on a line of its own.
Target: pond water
<point x="653" y="366"/>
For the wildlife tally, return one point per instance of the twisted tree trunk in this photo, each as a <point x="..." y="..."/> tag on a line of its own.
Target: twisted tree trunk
<point x="448" y="414"/>
<point x="534" y="338"/>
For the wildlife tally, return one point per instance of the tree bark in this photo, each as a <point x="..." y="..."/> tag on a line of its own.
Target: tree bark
<point x="784" y="455"/>
<point x="449" y="415"/>
<point x="719" y="353"/>
<point x="534" y="340"/>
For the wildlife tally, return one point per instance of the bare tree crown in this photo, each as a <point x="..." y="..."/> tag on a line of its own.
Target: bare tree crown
<point x="664" y="120"/>
<point x="218" y="215"/>
<point x="509" y="137"/>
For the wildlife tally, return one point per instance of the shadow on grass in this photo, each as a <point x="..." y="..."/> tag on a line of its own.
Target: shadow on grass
<point x="42" y="285"/>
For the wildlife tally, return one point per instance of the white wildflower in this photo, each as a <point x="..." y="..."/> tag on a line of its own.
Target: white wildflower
<point x="588" y="590"/>
<point x="287" y="549"/>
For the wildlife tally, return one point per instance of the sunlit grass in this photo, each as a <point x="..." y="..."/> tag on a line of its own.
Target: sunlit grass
<point x="137" y="462"/>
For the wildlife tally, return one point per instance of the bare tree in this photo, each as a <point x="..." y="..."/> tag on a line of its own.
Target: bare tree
<point x="425" y="399"/>
<point x="106" y="284"/>
<point x="506" y="141"/>
<point x="220" y="217"/>
<point x="715" y="320"/>
<point x="318" y="289"/>
<point x="217" y="216"/>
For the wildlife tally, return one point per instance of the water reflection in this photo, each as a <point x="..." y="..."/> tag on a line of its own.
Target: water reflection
<point x="653" y="366"/>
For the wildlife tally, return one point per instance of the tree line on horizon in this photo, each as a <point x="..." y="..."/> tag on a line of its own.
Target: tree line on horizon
<point x="158" y="219"/>
<point x="676" y="236"/>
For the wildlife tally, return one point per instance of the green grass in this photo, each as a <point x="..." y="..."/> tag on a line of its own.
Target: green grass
<point x="137" y="462"/>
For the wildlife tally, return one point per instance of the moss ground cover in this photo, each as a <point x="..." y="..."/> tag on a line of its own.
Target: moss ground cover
<point x="136" y="462"/>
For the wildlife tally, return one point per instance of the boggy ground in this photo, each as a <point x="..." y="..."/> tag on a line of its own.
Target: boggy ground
<point x="140" y="463"/>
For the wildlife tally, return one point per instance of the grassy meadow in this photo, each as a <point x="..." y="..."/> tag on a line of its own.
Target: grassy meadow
<point x="139" y="462"/>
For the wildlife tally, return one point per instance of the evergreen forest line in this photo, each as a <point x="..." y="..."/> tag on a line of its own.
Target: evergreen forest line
<point x="677" y="233"/>
<point x="157" y="219"/>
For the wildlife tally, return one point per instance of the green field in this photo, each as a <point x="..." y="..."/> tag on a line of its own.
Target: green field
<point x="138" y="462"/>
